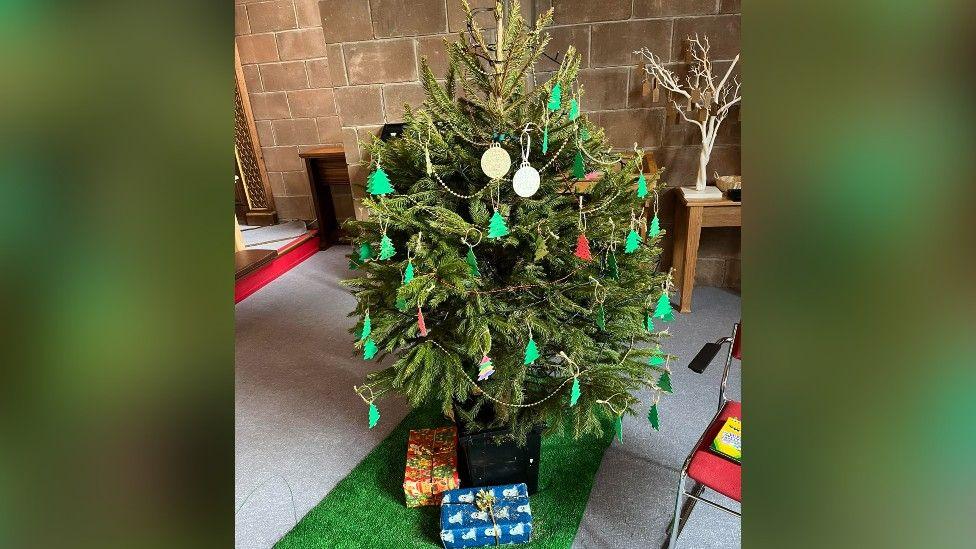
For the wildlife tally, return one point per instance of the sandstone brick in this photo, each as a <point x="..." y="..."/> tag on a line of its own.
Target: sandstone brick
<point x="396" y="95"/>
<point x="307" y="14"/>
<point x="284" y="76"/>
<point x="359" y="106"/>
<point x="393" y="18"/>
<point x="240" y="21"/>
<point x="561" y="38"/>
<point x="276" y="183"/>
<point x="379" y="62"/>
<point x="282" y="159"/>
<point x="613" y="44"/>
<point x="298" y="131"/>
<point x="312" y="103"/>
<point x="337" y="65"/>
<point x="265" y="133"/>
<point x="456" y="20"/>
<point x="730" y="6"/>
<point x="587" y="11"/>
<point x="603" y="89"/>
<point x="294" y="207"/>
<point x="295" y="184"/>
<point x="271" y="16"/>
<point x="350" y="144"/>
<point x="319" y="73"/>
<point x="366" y="134"/>
<point x="345" y="20"/>
<point x="722" y="242"/>
<point x="252" y="79"/>
<point x="267" y="106"/>
<point x="625" y="127"/>
<point x="710" y="272"/>
<point x="329" y="130"/>
<point x="733" y="274"/>
<point x="300" y="44"/>
<point x="257" y="48"/>
<point x="668" y="8"/>
<point x="434" y="49"/>
<point x="722" y="30"/>
<point x="682" y="163"/>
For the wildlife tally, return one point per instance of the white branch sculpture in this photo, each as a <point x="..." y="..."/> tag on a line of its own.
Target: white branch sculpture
<point x="701" y="92"/>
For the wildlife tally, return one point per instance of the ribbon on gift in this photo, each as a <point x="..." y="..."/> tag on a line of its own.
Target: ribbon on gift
<point x="485" y="501"/>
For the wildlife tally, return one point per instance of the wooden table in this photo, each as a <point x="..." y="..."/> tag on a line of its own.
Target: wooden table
<point x="690" y="216"/>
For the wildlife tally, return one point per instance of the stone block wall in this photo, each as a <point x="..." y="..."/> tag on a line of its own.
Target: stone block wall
<point x="289" y="81"/>
<point x="369" y="66"/>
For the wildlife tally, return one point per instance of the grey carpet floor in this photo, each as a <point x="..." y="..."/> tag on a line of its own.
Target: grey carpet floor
<point x="272" y="237"/>
<point x="300" y="428"/>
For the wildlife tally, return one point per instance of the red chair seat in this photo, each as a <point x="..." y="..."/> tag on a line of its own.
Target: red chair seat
<point x="718" y="473"/>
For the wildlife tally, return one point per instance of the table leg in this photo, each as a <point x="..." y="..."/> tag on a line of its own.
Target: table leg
<point x="690" y="255"/>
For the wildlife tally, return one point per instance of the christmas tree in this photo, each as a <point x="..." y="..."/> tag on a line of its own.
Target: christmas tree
<point x="527" y="293"/>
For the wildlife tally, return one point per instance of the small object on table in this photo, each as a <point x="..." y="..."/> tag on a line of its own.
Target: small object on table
<point x="728" y="441"/>
<point x="731" y="185"/>
<point x="486" y="517"/>
<point x="431" y="465"/>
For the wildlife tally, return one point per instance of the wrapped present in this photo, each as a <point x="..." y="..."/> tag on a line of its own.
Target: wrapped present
<point x="480" y="517"/>
<point x="431" y="465"/>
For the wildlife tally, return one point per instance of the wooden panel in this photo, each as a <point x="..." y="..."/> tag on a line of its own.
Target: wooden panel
<point x="722" y="216"/>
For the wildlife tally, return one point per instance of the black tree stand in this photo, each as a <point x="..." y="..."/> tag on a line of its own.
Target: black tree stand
<point x="491" y="457"/>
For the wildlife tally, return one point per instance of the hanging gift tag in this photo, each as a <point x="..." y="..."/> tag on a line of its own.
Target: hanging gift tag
<point x="485" y="368"/>
<point x="369" y="349"/>
<point x="646" y="88"/>
<point x="579" y="170"/>
<point x="641" y="186"/>
<point x="386" y="248"/>
<point x="702" y="114"/>
<point x="472" y="262"/>
<point x="664" y="383"/>
<point x="531" y="352"/>
<point x="497" y="227"/>
<point x="583" y="248"/>
<point x="574" y="394"/>
<point x="555" y="98"/>
<point x="633" y="242"/>
<point x="541" y="250"/>
<point x="526" y="181"/>
<point x="496" y="162"/>
<point x="653" y="418"/>
<point x="367" y="327"/>
<point x="365" y="251"/>
<point x="378" y="183"/>
<point x="374" y="415"/>
<point x="421" y="323"/>
<point x="656" y="91"/>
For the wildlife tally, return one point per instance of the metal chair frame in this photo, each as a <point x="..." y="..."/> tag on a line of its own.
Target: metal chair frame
<point x="681" y="514"/>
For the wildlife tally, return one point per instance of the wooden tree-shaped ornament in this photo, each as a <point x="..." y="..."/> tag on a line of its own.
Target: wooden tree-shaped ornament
<point x="705" y="102"/>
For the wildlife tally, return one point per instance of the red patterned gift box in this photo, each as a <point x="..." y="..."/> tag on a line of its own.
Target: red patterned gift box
<point x="431" y="465"/>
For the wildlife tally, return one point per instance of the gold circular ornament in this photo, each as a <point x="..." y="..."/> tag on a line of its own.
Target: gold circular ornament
<point x="526" y="180"/>
<point x="495" y="162"/>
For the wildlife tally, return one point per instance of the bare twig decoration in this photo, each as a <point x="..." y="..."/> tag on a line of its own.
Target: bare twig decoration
<point x="701" y="92"/>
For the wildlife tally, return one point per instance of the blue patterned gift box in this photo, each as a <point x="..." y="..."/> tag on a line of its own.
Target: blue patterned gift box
<point x="482" y="517"/>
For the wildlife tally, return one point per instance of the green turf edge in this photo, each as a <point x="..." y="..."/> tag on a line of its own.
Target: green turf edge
<point x="366" y="508"/>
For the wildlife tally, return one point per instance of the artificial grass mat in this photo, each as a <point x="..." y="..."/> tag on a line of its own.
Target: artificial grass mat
<point x="366" y="508"/>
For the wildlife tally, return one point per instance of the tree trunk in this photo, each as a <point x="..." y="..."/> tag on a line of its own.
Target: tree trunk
<point x="702" y="178"/>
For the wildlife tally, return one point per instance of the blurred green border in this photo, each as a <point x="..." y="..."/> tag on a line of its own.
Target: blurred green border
<point x="116" y="124"/>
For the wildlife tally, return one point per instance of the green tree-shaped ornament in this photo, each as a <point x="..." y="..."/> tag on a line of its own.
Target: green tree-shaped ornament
<point x="386" y="248"/>
<point x="497" y="227"/>
<point x="579" y="170"/>
<point x="531" y="353"/>
<point x="641" y="186"/>
<point x="633" y="242"/>
<point x="472" y="262"/>
<point x="378" y="183"/>
<point x="555" y="98"/>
